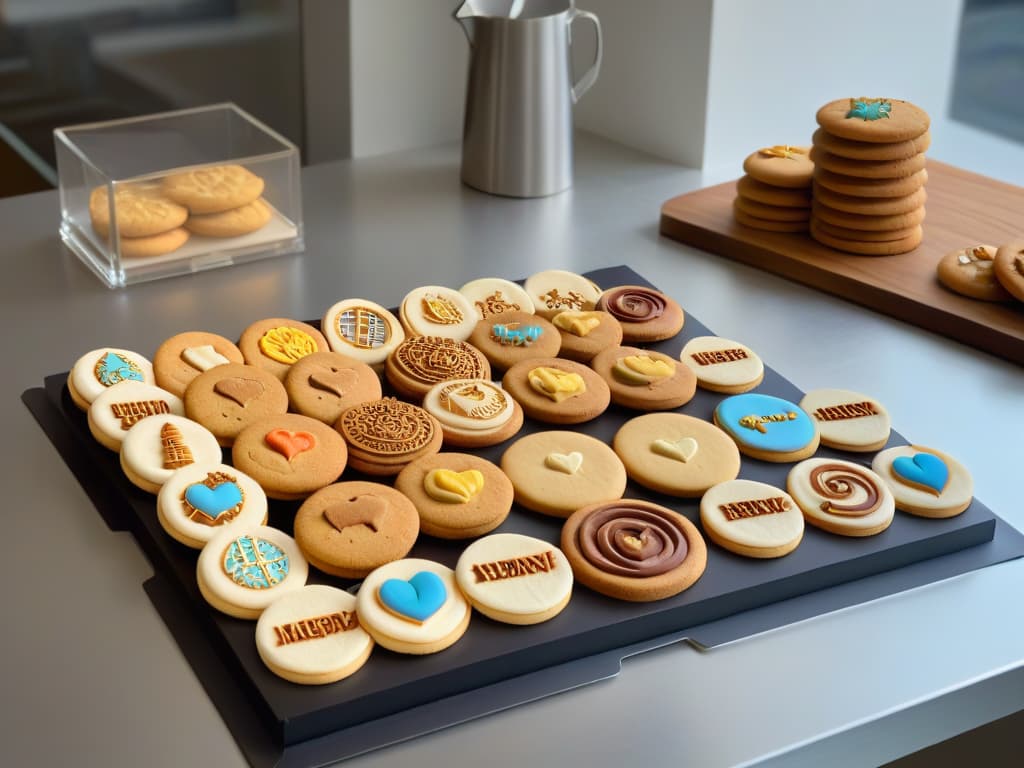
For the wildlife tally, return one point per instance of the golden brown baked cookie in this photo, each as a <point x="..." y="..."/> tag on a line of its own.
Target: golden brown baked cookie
<point x="857" y="187"/>
<point x="870" y="206"/>
<point x="227" y="398"/>
<point x="585" y="333"/>
<point x="231" y="223"/>
<point x="1009" y="268"/>
<point x="865" y="236"/>
<point x="868" y="169"/>
<point x="867" y="222"/>
<point x="153" y="245"/>
<point x="434" y="310"/>
<point x="752" y="189"/>
<point x="969" y="272"/>
<point x="863" y="248"/>
<point x="276" y="343"/>
<point x="141" y="210"/>
<point x="646" y="315"/>
<point x="770" y="212"/>
<point x="420" y="362"/>
<point x="184" y="356"/>
<point x="213" y="189"/>
<point x="557" y="391"/>
<point x="384" y="435"/>
<point x="867" y="150"/>
<point x="473" y="413"/>
<point x="875" y="120"/>
<point x="325" y="384"/>
<point x="768" y="225"/>
<point x="507" y="338"/>
<point x="556" y="290"/>
<point x="645" y="379"/>
<point x="781" y="165"/>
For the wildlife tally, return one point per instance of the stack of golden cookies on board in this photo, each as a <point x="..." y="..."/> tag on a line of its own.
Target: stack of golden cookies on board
<point x="869" y="176"/>
<point x="775" y="193"/>
<point x="157" y="217"/>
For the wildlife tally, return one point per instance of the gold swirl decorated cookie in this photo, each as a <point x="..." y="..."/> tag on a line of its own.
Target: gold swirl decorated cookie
<point x="925" y="482"/>
<point x="362" y="329"/>
<point x="473" y="413"/>
<point x="723" y="365"/>
<point x="420" y="362"/>
<point x="848" y="420"/>
<point x="645" y="379"/>
<point x="276" y="343"/>
<point x="751" y="519"/>
<point x="120" y="407"/>
<point x="433" y="310"/>
<point x="841" y="497"/>
<point x="557" y="391"/>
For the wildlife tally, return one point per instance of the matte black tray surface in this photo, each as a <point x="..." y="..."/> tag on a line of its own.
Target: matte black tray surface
<point x="287" y="724"/>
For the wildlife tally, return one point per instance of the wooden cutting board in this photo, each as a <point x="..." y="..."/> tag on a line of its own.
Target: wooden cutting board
<point x="963" y="209"/>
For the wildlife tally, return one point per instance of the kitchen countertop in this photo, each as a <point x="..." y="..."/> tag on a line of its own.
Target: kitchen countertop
<point x="93" y="677"/>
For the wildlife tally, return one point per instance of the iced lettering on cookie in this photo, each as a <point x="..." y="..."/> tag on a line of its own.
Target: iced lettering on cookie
<point x="527" y="565"/>
<point x="255" y="563"/>
<point x="516" y="335"/>
<point x="112" y="368"/>
<point x="738" y="510"/>
<point x="554" y="300"/>
<point x="717" y="356"/>
<point x="495" y="304"/>
<point x="315" y="627"/>
<point x="133" y="412"/>
<point x="846" y="411"/>
<point x="758" y="422"/>
<point x="286" y="344"/>
<point x="176" y="453"/>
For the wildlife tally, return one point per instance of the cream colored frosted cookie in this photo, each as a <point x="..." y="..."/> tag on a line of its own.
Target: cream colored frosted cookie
<point x="751" y="519"/>
<point x="213" y="189"/>
<point x="99" y="369"/>
<point x="515" y="579"/>
<point x="155" y="447"/>
<point x="433" y="310"/>
<point x="924" y="481"/>
<point x="312" y="636"/>
<point x="184" y="356"/>
<point x="557" y="472"/>
<point x="413" y="606"/>
<point x="141" y="210"/>
<point x="849" y="421"/>
<point x="198" y="500"/>
<point x="493" y="295"/>
<point x="243" y="569"/>
<point x="676" y="454"/>
<point x="473" y="413"/>
<point x="723" y="365"/>
<point x="556" y="290"/>
<point x="231" y="223"/>
<point x="841" y="497"/>
<point x="362" y="329"/>
<point x="122" y="406"/>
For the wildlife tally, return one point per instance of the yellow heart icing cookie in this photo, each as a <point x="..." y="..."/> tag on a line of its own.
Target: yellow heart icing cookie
<point x="576" y="322"/>
<point x="642" y="369"/>
<point x="555" y="384"/>
<point x="450" y="487"/>
<point x="564" y="462"/>
<point x="683" y="449"/>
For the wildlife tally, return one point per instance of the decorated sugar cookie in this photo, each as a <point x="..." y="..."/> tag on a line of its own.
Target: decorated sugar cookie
<point x="433" y="310"/>
<point x="557" y="391"/>
<point x="586" y="332"/>
<point x="229" y="397"/>
<point x="155" y="448"/>
<point x="123" y="405"/>
<point x="645" y="379"/>
<point x="751" y="519"/>
<point x="924" y="481"/>
<point x="420" y="362"/>
<point x="645" y="314"/>
<point x="768" y="428"/>
<point x="362" y="329"/>
<point x="276" y="343"/>
<point x="473" y="413"/>
<point x="99" y="369"/>
<point x="556" y="290"/>
<point x="198" y="500"/>
<point x="841" y="497"/>
<point x="492" y="296"/>
<point x="849" y="421"/>
<point x="723" y="365"/>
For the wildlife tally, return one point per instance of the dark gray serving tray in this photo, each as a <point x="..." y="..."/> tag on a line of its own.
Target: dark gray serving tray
<point x="494" y="666"/>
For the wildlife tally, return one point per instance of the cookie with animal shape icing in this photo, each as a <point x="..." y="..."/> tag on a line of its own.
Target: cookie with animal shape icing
<point x="924" y="481"/>
<point x="751" y="519"/>
<point x="841" y="497"/>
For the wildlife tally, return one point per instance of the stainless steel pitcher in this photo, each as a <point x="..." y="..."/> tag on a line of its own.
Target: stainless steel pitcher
<point x="517" y="134"/>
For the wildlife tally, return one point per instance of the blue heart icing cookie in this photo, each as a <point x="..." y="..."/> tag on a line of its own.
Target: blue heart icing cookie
<point x="765" y="423"/>
<point x="213" y="502"/>
<point x="922" y="469"/>
<point x="417" y="599"/>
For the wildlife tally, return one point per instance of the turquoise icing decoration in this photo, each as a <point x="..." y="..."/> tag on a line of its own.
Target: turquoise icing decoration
<point x="869" y="109"/>
<point x="517" y="337"/>
<point x="112" y="368"/>
<point x="213" y="502"/>
<point x="255" y="563"/>
<point x="417" y="599"/>
<point x="765" y="423"/>
<point x="924" y="469"/>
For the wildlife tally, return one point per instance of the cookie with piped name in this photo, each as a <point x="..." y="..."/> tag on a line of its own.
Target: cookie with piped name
<point x="120" y="407"/>
<point x="492" y="296"/>
<point x="751" y="519"/>
<point x="645" y="379"/>
<point x="924" y="481"/>
<point x="646" y="315"/>
<point x="556" y="290"/>
<point x="557" y="391"/>
<point x="722" y="365"/>
<point x="276" y="343"/>
<point x="767" y="427"/>
<point x="847" y="420"/>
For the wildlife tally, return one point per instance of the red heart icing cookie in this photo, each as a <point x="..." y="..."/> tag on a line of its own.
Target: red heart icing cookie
<point x="289" y="444"/>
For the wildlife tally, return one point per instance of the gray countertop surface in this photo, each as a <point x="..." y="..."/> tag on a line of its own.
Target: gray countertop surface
<point x="93" y="677"/>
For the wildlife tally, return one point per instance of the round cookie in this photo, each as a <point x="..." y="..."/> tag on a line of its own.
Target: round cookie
<point x="473" y="413"/>
<point x="231" y="223"/>
<point x="324" y="385"/>
<point x="633" y="550"/>
<point x="99" y="369"/>
<point x="870" y="206"/>
<point x="141" y="211"/>
<point x="457" y="495"/>
<point x="152" y="245"/>
<point x="869" y="248"/>
<point x="556" y="290"/>
<point x="413" y="606"/>
<point x="676" y="454"/>
<point x="767" y="428"/>
<point x="770" y="212"/>
<point x="312" y="636"/>
<point x="213" y="189"/>
<point x="646" y="315"/>
<point x="420" y="362"/>
<point x="768" y="225"/>
<point x="384" y="435"/>
<point x="925" y="482"/>
<point x="644" y="379"/>
<point x="433" y="310"/>
<point x="557" y="391"/>
<point x="154" y="449"/>
<point x="781" y="166"/>
<point x="876" y="236"/>
<point x="868" y="169"/>
<point x="752" y="189"/>
<point x="723" y="365"/>
<point x="856" y="187"/>
<point x="871" y="151"/>
<point x="751" y="519"/>
<point x="362" y="329"/>
<point x="347" y="529"/>
<point x="970" y="272"/>
<point x="515" y="579"/>
<point x="493" y="295"/>
<point x="849" y="421"/>
<point x="276" y="343"/>
<point x="184" y="356"/>
<point x="875" y="120"/>
<point x="289" y="455"/>
<point x="867" y="223"/>
<point x="585" y="333"/>
<point x="227" y="398"/>
<point x="841" y="497"/>
<point x="1008" y="266"/>
<point x="198" y="500"/>
<point x="120" y="407"/>
<point x="243" y="569"/>
<point x="557" y="472"/>
<point x="513" y="336"/>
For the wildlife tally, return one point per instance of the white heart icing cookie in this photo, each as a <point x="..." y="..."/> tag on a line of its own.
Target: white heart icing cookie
<point x="564" y="462"/>
<point x="683" y="449"/>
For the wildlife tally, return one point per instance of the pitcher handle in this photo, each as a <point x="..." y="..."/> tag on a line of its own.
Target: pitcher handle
<point x="590" y="76"/>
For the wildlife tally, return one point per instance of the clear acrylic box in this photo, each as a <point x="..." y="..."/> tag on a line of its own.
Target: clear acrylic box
<point x="146" y="164"/>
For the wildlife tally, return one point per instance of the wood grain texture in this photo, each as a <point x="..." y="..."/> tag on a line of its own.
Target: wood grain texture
<point x="963" y="209"/>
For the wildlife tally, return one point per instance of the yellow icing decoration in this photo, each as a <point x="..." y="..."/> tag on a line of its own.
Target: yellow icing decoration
<point x="555" y="384"/>
<point x="286" y="344"/>
<point x="782" y="150"/>
<point x="642" y="369"/>
<point x="577" y="323"/>
<point x="451" y="487"/>
<point x="441" y="310"/>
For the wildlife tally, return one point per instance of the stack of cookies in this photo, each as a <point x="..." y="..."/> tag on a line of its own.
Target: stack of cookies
<point x="869" y="176"/>
<point x="775" y="193"/>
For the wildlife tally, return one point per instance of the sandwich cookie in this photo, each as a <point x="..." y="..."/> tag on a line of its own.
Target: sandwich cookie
<point x="362" y="329"/>
<point x="644" y="379"/>
<point x="198" y="500"/>
<point x="433" y="310"/>
<point x="924" y="481"/>
<point x="515" y="579"/>
<point x="849" y="421"/>
<point x="751" y="519"/>
<point x="117" y="409"/>
<point x="312" y="636"/>
<point x="722" y="365"/>
<point x="473" y="413"/>
<point x="841" y="497"/>
<point x="99" y="369"/>
<point x="413" y="606"/>
<point x="768" y="428"/>
<point x="155" y="448"/>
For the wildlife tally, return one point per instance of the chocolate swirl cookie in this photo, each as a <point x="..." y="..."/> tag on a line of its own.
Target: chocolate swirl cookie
<point x="644" y="313"/>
